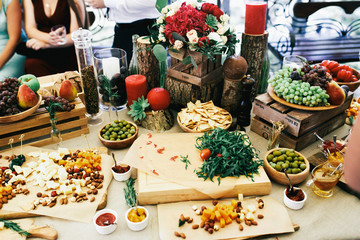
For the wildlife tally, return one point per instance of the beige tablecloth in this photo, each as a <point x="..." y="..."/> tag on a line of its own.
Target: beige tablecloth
<point x="333" y="218"/>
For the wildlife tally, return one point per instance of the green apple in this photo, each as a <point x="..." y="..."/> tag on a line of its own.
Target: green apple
<point x="31" y="81"/>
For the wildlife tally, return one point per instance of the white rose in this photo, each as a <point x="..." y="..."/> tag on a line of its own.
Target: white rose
<point x="224" y="18"/>
<point x="164" y="10"/>
<point x="214" y="36"/>
<point x="162" y="37"/>
<point x="222" y="28"/>
<point x="160" y="20"/>
<point x="170" y="13"/>
<point x="191" y="35"/>
<point x="178" y="44"/>
<point x="176" y="6"/>
<point x="224" y="39"/>
<point x="161" y="28"/>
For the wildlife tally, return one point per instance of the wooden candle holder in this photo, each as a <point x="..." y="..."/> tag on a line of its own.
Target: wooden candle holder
<point x="253" y="49"/>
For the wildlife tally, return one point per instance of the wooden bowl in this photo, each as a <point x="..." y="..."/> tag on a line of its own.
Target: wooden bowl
<point x="119" y="144"/>
<point x="22" y="115"/>
<point x="280" y="177"/>
<point x="352" y="85"/>
<point x="189" y="130"/>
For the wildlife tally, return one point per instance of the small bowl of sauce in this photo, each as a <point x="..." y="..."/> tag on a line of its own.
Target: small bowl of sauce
<point x="121" y="172"/>
<point x="294" y="199"/>
<point x="105" y="221"/>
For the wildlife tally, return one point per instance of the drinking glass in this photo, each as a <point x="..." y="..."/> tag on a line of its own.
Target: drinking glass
<point x="60" y="32"/>
<point x="111" y="68"/>
<point x="294" y="61"/>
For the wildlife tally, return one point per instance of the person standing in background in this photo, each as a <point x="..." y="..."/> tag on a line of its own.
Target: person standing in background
<point x="131" y="17"/>
<point x="11" y="64"/>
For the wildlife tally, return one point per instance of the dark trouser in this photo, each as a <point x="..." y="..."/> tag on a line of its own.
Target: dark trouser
<point x="124" y="32"/>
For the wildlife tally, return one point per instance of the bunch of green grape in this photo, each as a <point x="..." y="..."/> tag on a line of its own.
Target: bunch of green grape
<point x="296" y="91"/>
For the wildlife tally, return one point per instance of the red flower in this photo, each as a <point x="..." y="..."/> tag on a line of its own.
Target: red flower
<point x="203" y="41"/>
<point x="184" y="20"/>
<point x="210" y="8"/>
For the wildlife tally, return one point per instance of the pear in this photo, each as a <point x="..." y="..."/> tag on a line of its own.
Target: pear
<point x="67" y="91"/>
<point x="336" y="94"/>
<point x="26" y="97"/>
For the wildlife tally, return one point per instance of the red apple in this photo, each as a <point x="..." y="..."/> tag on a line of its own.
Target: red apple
<point x="159" y="98"/>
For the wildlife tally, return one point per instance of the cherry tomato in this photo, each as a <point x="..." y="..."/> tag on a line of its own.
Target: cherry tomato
<point x="205" y="154"/>
<point x="159" y="98"/>
<point x="219" y="155"/>
<point x="98" y="168"/>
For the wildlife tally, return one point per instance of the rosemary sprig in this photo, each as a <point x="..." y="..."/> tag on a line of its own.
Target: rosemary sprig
<point x="185" y="160"/>
<point x="231" y="155"/>
<point x="15" y="227"/>
<point x="130" y="193"/>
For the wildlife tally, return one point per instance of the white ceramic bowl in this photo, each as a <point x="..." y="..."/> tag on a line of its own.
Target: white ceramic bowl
<point x="137" y="226"/>
<point x="105" y="229"/>
<point x="295" y="205"/>
<point x="121" y="176"/>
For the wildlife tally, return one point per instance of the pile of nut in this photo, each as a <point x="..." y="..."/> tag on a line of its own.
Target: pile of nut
<point x="9" y="191"/>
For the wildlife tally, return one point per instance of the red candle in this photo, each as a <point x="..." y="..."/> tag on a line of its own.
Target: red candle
<point x="255" y="18"/>
<point x="135" y="87"/>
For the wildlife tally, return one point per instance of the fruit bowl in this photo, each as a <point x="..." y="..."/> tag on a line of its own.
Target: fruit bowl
<point x="352" y="85"/>
<point x="280" y="177"/>
<point x="22" y="115"/>
<point x="118" y="144"/>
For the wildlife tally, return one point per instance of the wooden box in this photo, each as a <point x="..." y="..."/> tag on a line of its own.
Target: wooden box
<point x="300" y="125"/>
<point x="298" y="122"/>
<point x="37" y="127"/>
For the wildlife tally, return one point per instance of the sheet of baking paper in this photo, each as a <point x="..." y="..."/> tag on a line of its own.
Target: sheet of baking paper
<point x="276" y="220"/>
<point x="82" y="212"/>
<point x="160" y="155"/>
<point x="9" y="234"/>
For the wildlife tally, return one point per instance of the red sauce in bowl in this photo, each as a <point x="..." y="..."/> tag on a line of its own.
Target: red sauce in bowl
<point x="105" y="219"/>
<point x="295" y="195"/>
<point x="121" y="169"/>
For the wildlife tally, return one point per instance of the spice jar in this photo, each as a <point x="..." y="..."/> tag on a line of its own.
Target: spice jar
<point x="82" y="42"/>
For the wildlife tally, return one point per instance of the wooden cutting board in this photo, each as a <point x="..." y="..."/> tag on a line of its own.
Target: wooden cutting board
<point x="44" y="232"/>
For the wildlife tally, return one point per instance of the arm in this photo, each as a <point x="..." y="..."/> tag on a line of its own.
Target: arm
<point x="352" y="158"/>
<point x="133" y="6"/>
<point x="13" y="21"/>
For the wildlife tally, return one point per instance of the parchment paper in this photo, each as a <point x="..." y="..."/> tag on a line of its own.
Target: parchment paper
<point x="276" y="220"/>
<point x="9" y="234"/>
<point x="82" y="212"/>
<point x="144" y="155"/>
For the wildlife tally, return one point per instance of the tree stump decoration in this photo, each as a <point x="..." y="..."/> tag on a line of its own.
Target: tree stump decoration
<point x="182" y="92"/>
<point x="253" y="49"/>
<point x="158" y="121"/>
<point x="148" y="64"/>
<point x="231" y="95"/>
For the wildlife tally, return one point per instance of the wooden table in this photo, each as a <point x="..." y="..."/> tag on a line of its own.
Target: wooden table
<point x="333" y="218"/>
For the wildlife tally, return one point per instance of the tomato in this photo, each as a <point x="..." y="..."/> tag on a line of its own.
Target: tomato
<point x="159" y="98"/>
<point x="219" y="155"/>
<point x="98" y="168"/>
<point x="344" y="75"/>
<point x="205" y="154"/>
<point x="332" y="65"/>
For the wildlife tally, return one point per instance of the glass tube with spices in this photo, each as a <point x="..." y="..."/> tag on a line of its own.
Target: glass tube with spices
<point x="82" y="42"/>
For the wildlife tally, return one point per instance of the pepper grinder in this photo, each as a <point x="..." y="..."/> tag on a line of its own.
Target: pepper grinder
<point x="245" y="106"/>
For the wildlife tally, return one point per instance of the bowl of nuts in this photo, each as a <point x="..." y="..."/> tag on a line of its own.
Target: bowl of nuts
<point x="278" y="160"/>
<point x="118" y="134"/>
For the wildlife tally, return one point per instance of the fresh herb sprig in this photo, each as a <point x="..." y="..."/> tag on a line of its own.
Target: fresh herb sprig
<point x="231" y="155"/>
<point x="15" y="227"/>
<point x="185" y="159"/>
<point x="52" y="107"/>
<point x="130" y="193"/>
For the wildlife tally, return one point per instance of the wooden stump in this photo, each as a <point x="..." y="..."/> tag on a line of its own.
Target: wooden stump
<point x="253" y="49"/>
<point x="158" y="121"/>
<point x="182" y="92"/>
<point x="148" y="64"/>
<point x="231" y="95"/>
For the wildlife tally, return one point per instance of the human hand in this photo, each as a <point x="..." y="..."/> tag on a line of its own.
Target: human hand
<point x="96" y="3"/>
<point x="35" y="44"/>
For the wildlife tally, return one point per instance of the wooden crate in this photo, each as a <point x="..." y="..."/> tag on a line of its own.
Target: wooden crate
<point x="37" y="127"/>
<point x="262" y="127"/>
<point x="206" y="70"/>
<point x="298" y="122"/>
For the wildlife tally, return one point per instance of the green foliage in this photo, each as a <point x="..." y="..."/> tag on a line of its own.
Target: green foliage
<point x="161" y="55"/>
<point x="137" y="109"/>
<point x="15" y="227"/>
<point x="130" y="193"/>
<point x="51" y="109"/>
<point x="211" y="21"/>
<point x="185" y="159"/>
<point x="232" y="155"/>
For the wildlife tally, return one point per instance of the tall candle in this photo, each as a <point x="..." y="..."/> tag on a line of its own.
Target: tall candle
<point x="135" y="87"/>
<point x="111" y="66"/>
<point x="255" y="17"/>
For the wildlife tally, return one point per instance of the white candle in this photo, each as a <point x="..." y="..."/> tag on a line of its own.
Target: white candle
<point x="111" y="66"/>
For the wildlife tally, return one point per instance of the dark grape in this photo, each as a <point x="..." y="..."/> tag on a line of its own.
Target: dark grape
<point x="65" y="104"/>
<point x="8" y="101"/>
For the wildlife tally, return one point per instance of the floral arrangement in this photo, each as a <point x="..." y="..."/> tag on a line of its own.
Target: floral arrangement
<point x="196" y="27"/>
